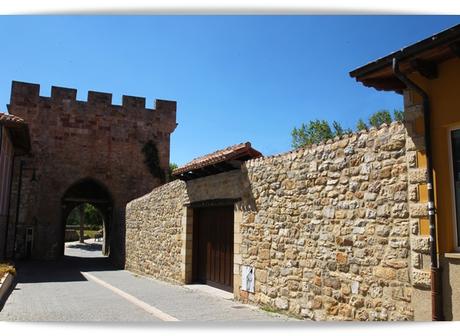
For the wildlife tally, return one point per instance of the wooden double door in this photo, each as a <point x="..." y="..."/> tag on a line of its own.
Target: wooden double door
<point x="213" y="246"/>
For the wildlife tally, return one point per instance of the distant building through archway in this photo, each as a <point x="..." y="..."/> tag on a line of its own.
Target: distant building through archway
<point x="89" y="191"/>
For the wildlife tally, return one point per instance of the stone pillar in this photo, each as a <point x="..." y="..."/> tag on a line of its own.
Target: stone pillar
<point x="237" y="259"/>
<point x="187" y="244"/>
<point x="418" y="198"/>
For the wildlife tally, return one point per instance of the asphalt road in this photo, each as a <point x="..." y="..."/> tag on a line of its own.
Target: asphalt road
<point x="83" y="286"/>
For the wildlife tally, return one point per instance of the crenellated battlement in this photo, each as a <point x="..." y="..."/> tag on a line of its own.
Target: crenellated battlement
<point x="75" y="141"/>
<point x="60" y="94"/>
<point x="133" y="102"/>
<point x="167" y="105"/>
<point x="28" y="93"/>
<point x="99" y="98"/>
<point x="24" y="93"/>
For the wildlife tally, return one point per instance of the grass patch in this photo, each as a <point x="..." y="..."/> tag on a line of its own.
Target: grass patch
<point x="273" y="310"/>
<point x="90" y="233"/>
<point x="6" y="268"/>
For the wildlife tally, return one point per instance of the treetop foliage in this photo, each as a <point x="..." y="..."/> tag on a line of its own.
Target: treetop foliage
<point x="317" y="130"/>
<point x="379" y="118"/>
<point x="172" y="166"/>
<point x="91" y="216"/>
<point x="361" y="125"/>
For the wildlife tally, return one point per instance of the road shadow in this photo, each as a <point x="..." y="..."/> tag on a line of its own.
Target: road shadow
<point x="85" y="246"/>
<point x="65" y="269"/>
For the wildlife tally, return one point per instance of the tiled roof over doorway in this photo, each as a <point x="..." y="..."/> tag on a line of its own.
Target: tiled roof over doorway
<point x="217" y="162"/>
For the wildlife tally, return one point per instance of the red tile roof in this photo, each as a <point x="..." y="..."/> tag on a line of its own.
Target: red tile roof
<point x="242" y="152"/>
<point x="10" y="120"/>
<point x="19" y="132"/>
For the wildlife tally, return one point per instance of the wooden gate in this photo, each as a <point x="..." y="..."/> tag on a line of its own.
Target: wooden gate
<point x="213" y="246"/>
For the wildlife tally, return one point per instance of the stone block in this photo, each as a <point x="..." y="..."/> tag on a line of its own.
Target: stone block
<point x="418" y="210"/>
<point x="413" y="192"/>
<point x="329" y="212"/>
<point x="341" y="258"/>
<point x="421" y="279"/>
<point x="237" y="259"/>
<point x="386" y="273"/>
<point x="307" y="313"/>
<point x="418" y="175"/>
<point x="412" y="159"/>
<point x="416" y="260"/>
<point x="420" y="244"/>
<point x="395" y="263"/>
<point x="345" y="311"/>
<point x="370" y="196"/>
<point x="331" y="282"/>
<point x="261" y="275"/>
<point x="282" y="303"/>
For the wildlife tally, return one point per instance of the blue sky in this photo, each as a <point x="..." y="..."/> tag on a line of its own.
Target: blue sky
<point x="235" y="78"/>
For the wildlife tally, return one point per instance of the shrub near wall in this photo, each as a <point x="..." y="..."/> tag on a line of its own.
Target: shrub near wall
<point x="153" y="232"/>
<point x="329" y="236"/>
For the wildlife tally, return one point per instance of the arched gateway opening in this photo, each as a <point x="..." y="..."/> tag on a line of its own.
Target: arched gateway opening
<point x="84" y="195"/>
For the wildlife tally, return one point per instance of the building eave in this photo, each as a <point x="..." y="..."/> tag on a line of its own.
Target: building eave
<point x="435" y="49"/>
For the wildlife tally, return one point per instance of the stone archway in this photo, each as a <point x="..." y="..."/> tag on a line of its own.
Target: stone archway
<point x="89" y="191"/>
<point x="73" y="139"/>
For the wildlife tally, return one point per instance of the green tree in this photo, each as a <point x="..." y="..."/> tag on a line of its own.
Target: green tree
<point x="319" y="130"/>
<point x="398" y="115"/>
<point x="361" y="125"/>
<point x="72" y="219"/>
<point x="338" y="129"/>
<point x="379" y="118"/>
<point x="315" y="132"/>
<point x="172" y="166"/>
<point x="92" y="217"/>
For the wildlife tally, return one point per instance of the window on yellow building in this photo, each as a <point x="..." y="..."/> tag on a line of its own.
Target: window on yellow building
<point x="455" y="141"/>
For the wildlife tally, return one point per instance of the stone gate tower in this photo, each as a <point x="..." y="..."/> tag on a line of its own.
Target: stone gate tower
<point x="82" y="152"/>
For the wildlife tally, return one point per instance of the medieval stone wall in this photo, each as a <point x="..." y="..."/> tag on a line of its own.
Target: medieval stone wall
<point x="72" y="140"/>
<point x="329" y="235"/>
<point x="153" y="232"/>
<point x="159" y="225"/>
<point x="228" y="185"/>
<point x="328" y="228"/>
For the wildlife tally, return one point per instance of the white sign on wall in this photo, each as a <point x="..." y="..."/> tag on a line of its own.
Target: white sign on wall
<point x="247" y="279"/>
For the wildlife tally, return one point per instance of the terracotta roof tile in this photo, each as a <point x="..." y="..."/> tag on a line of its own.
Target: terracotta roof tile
<point x="9" y="119"/>
<point x="18" y="130"/>
<point x="230" y="153"/>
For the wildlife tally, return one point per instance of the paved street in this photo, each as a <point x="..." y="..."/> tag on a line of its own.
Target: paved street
<point x="83" y="286"/>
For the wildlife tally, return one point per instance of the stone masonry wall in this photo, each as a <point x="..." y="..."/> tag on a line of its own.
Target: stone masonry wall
<point x="219" y="186"/>
<point x="328" y="228"/>
<point x="153" y="232"/>
<point x="159" y="224"/>
<point x="418" y="204"/>
<point x="329" y="235"/>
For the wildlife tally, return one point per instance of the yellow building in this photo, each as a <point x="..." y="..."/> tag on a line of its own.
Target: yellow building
<point x="427" y="74"/>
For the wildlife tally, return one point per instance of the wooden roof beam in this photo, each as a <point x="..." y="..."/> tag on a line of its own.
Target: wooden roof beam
<point x="427" y="69"/>
<point x="455" y="48"/>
